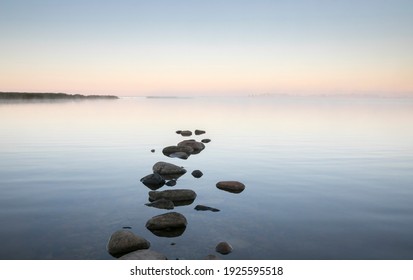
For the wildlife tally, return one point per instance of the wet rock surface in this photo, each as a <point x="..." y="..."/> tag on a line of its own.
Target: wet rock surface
<point x="199" y="132"/>
<point x="231" y="186"/>
<point x="124" y="241"/>
<point x="206" y="140"/>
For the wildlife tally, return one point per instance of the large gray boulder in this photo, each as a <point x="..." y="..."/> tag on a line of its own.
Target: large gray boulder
<point x="143" y="255"/>
<point x="124" y="241"/>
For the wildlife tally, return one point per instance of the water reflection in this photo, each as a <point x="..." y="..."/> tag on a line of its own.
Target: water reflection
<point x="326" y="178"/>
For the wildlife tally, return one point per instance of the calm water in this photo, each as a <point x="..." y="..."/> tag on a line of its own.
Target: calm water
<point x="326" y="178"/>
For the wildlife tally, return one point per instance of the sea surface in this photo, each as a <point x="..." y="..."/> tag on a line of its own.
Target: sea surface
<point x="326" y="177"/>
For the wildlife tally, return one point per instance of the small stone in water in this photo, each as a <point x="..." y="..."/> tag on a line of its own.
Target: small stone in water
<point x="223" y="248"/>
<point x="197" y="173"/>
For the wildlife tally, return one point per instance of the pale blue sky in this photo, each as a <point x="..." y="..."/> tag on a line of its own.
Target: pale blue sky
<point x="206" y="47"/>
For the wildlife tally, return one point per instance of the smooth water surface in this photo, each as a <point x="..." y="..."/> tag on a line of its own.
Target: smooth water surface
<point x="326" y="177"/>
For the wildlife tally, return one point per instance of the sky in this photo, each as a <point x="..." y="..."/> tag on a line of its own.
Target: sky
<point x="214" y="47"/>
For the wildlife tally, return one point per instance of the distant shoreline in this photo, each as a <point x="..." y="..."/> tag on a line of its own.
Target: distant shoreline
<point x="49" y="95"/>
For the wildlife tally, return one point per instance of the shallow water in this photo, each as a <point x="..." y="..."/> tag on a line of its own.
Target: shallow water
<point x="326" y="178"/>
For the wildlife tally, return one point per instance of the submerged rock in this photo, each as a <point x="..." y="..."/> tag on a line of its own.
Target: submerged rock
<point x="195" y="145"/>
<point x="206" y="208"/>
<point x="231" y="186"/>
<point x="176" y="196"/>
<point x="199" y="132"/>
<point x="165" y="168"/>
<point x="143" y="255"/>
<point x="167" y="221"/>
<point x="197" y="173"/>
<point x="124" y="241"/>
<point x="153" y="181"/>
<point x="223" y="248"/>
<point x="161" y="204"/>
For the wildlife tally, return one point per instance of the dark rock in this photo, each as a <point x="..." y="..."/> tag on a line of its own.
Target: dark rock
<point x="126" y="227"/>
<point x="195" y="145"/>
<point x="161" y="204"/>
<point x="206" y="208"/>
<point x="124" y="241"/>
<point x="231" y="186"/>
<point x="176" y="196"/>
<point x="182" y="152"/>
<point x="153" y="150"/>
<point x="165" y="168"/>
<point x="206" y="140"/>
<point x="199" y="132"/>
<point x="223" y="248"/>
<point x="186" y="133"/>
<point x="178" y="131"/>
<point x="197" y="173"/>
<point x="171" y="183"/>
<point x="143" y="255"/>
<point x="153" y="181"/>
<point x="167" y="221"/>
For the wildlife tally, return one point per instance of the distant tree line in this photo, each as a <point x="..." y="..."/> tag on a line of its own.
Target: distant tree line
<point x="48" y="95"/>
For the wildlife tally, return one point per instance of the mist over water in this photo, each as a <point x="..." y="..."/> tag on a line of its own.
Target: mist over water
<point x="326" y="177"/>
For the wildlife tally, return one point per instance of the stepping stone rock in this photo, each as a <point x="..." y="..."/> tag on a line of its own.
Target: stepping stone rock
<point x="161" y="204"/>
<point x="173" y="195"/>
<point x="143" y="255"/>
<point x="197" y="173"/>
<point x="206" y="208"/>
<point x="153" y="181"/>
<point x="165" y="168"/>
<point x="223" y="248"/>
<point x="195" y="145"/>
<point x="124" y="241"/>
<point x="167" y="221"/>
<point x="186" y="133"/>
<point x="206" y="140"/>
<point x="199" y="132"/>
<point x="182" y="152"/>
<point x="231" y="186"/>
